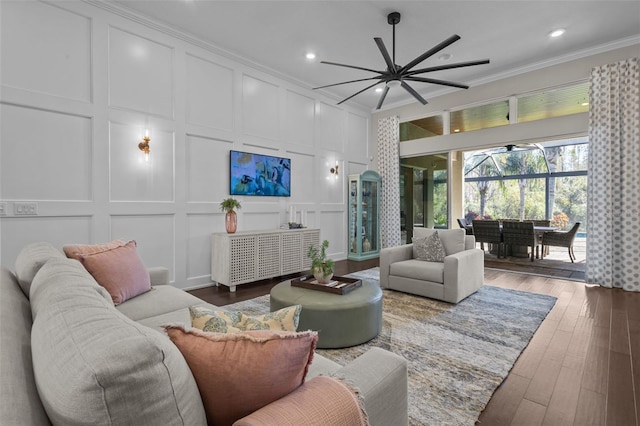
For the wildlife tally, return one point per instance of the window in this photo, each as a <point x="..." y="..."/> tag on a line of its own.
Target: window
<point x="533" y="181"/>
<point x="421" y="128"/>
<point x="480" y="117"/>
<point x="554" y="103"/>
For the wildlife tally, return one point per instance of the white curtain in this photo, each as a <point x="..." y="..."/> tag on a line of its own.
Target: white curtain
<point x="389" y="169"/>
<point x="613" y="192"/>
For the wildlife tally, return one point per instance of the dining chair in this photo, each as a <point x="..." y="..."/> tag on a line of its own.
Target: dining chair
<point x="468" y="230"/>
<point x="562" y="239"/>
<point x="541" y="222"/>
<point x="488" y="231"/>
<point x="520" y="234"/>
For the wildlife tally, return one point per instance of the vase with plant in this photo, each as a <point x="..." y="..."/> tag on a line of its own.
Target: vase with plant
<point x="231" y="217"/>
<point x="321" y="267"/>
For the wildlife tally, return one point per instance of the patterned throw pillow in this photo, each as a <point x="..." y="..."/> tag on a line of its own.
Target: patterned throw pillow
<point x="285" y="319"/>
<point x="430" y="248"/>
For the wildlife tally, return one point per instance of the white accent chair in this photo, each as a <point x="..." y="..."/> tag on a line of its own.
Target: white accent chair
<point x="461" y="274"/>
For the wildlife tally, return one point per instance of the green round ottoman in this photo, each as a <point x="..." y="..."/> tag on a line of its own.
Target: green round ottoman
<point x="340" y="320"/>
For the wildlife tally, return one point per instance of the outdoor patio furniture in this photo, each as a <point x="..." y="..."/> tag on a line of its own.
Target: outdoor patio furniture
<point x="488" y="231"/>
<point x="468" y="230"/>
<point x="562" y="239"/>
<point x="538" y="223"/>
<point x="520" y="234"/>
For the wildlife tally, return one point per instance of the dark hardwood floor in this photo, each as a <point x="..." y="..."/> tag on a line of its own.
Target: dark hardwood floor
<point x="581" y="367"/>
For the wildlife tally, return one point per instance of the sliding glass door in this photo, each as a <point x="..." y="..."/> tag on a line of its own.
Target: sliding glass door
<point x="423" y="193"/>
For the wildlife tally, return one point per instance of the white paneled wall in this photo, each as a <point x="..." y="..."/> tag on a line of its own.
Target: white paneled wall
<point x="82" y="82"/>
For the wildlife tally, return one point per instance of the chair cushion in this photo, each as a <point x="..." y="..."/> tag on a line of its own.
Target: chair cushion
<point x="418" y="270"/>
<point x="221" y="321"/>
<point x="452" y="239"/>
<point x="429" y="249"/>
<point x="238" y="373"/>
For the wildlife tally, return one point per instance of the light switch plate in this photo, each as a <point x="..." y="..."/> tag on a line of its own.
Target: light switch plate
<point x="25" y="208"/>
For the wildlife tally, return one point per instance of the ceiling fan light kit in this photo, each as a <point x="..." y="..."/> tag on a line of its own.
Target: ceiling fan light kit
<point x="399" y="76"/>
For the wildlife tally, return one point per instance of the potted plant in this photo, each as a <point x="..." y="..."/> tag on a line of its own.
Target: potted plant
<point x="321" y="267"/>
<point x="229" y="205"/>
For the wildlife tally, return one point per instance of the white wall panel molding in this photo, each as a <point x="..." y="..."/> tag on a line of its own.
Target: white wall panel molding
<point x="131" y="178"/>
<point x="45" y="101"/>
<point x="210" y="133"/>
<point x="357" y="145"/>
<point x="56" y="230"/>
<point x="299" y="119"/>
<point x="260" y="108"/>
<point x="209" y="94"/>
<point x="154" y="234"/>
<point x="198" y="252"/>
<point x="141" y="76"/>
<point x="333" y="228"/>
<point x="331" y="125"/>
<point x="207" y="169"/>
<point x="354" y="167"/>
<point x="258" y="221"/>
<point x="303" y="177"/>
<point x="27" y="44"/>
<point x="35" y="162"/>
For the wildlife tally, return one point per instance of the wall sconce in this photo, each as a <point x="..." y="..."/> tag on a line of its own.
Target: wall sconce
<point x="144" y="145"/>
<point x="334" y="170"/>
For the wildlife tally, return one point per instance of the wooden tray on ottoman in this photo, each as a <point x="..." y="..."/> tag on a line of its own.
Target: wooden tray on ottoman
<point x="338" y="285"/>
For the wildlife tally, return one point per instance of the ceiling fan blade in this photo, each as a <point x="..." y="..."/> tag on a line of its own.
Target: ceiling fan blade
<point x="351" y="66"/>
<point x="384" y="95"/>
<point x="435" y="81"/>
<point x="448" y="67"/>
<point x="429" y="53"/>
<point x="357" y="93"/>
<point x="415" y="94"/>
<point x="346" y="82"/>
<point x="385" y="54"/>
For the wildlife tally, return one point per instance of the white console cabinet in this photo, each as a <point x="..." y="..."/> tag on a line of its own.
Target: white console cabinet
<point x="245" y="257"/>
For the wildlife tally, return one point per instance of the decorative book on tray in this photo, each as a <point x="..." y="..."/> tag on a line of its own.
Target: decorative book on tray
<point x="338" y="285"/>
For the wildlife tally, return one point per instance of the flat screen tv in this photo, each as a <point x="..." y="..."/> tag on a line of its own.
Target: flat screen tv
<point x="257" y="174"/>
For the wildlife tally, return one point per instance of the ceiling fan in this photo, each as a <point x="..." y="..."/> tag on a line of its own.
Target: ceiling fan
<point x="396" y="75"/>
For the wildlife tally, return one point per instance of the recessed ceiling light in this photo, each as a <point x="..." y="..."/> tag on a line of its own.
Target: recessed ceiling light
<point x="311" y="55"/>
<point x="378" y="89"/>
<point x="557" y="33"/>
<point x="456" y="131"/>
<point x="584" y="104"/>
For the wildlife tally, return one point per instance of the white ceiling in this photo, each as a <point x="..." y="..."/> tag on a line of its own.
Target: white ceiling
<point x="512" y="34"/>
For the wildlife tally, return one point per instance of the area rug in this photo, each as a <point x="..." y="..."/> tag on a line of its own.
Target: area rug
<point x="457" y="355"/>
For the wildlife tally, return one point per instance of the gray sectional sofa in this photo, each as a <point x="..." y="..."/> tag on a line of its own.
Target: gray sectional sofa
<point x="68" y="356"/>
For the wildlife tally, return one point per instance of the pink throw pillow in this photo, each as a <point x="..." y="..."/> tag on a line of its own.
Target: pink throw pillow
<point x="75" y="251"/>
<point x="238" y="373"/>
<point x="319" y="402"/>
<point x="119" y="270"/>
